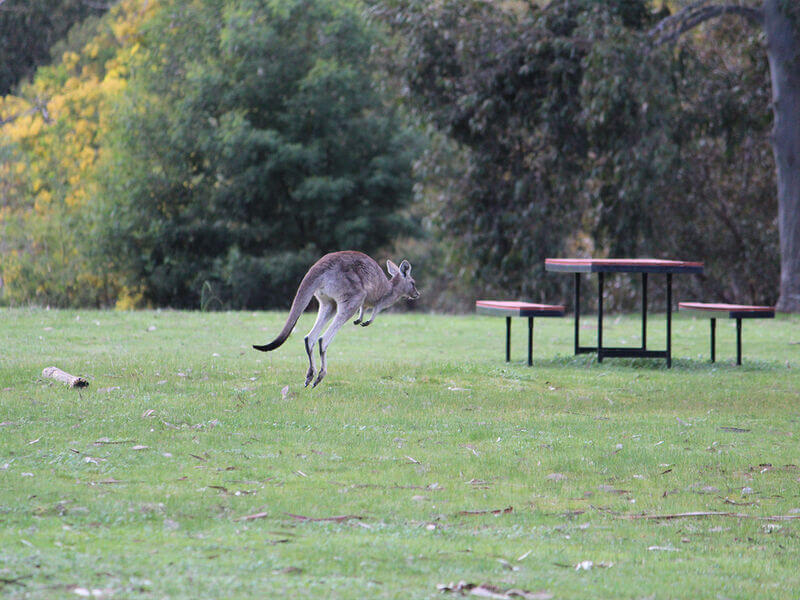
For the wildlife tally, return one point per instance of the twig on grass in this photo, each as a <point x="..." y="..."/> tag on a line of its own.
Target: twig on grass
<point x="700" y="514"/>
<point x="14" y="580"/>
<point x="729" y="501"/>
<point x="497" y="511"/>
<point x="337" y="518"/>
<point x="252" y="517"/>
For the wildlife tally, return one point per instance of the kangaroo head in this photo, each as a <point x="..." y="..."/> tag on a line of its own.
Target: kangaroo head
<point x="402" y="281"/>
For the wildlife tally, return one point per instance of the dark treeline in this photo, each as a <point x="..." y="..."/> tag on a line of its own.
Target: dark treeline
<point x="584" y="139"/>
<point x="233" y="142"/>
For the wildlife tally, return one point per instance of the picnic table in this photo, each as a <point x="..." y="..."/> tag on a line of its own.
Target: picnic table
<point x="601" y="266"/>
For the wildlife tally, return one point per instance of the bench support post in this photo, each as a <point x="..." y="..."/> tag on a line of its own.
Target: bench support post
<point x="669" y="320"/>
<point x="530" y="341"/>
<point x="713" y="340"/>
<point x="644" y="311"/>
<point x="508" y="339"/>
<point x="577" y="311"/>
<point x="738" y="340"/>
<point x="600" y="317"/>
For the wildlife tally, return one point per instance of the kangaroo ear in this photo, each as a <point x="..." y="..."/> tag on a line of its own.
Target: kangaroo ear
<point x="405" y="268"/>
<point x="392" y="268"/>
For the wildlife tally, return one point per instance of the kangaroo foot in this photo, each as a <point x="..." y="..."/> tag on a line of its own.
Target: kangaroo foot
<point x="365" y="323"/>
<point x="320" y="377"/>
<point x="309" y="376"/>
<point x="357" y="321"/>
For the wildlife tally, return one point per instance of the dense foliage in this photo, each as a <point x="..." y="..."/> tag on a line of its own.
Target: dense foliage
<point x="30" y="28"/>
<point x="251" y="141"/>
<point x="582" y="139"/>
<point x="203" y="154"/>
<point x="200" y="153"/>
<point x="50" y="141"/>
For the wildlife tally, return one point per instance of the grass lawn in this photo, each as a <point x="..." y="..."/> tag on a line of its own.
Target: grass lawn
<point x="188" y="470"/>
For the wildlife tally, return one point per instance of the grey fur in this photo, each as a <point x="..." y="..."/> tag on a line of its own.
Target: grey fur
<point x="343" y="283"/>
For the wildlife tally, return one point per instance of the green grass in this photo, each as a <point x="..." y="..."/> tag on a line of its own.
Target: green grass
<point x="418" y="419"/>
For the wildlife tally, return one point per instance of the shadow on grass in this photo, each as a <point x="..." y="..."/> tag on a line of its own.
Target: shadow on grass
<point x="649" y="364"/>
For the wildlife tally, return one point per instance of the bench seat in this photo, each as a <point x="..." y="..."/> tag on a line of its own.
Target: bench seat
<point x="729" y="311"/>
<point x="513" y="308"/>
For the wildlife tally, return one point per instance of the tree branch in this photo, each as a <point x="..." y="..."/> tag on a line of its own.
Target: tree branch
<point x="670" y="29"/>
<point x="40" y="107"/>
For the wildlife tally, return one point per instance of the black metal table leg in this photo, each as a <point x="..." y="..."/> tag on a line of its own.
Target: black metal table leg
<point x="669" y="320"/>
<point x="713" y="340"/>
<point x="738" y="341"/>
<point x="508" y="339"/>
<point x="530" y="341"/>
<point x="600" y="317"/>
<point x="644" y="311"/>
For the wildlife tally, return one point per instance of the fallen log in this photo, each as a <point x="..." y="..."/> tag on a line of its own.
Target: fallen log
<point x="63" y="377"/>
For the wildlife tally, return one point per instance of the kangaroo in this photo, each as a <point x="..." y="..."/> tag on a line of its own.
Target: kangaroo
<point x="343" y="283"/>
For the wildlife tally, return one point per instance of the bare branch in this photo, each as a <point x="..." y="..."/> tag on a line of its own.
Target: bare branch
<point x="40" y="107"/>
<point x="673" y="27"/>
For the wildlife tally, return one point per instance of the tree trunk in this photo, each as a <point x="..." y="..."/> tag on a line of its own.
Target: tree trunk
<point x="783" y="51"/>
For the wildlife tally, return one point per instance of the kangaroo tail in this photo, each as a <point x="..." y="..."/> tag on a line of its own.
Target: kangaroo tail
<point x="304" y="294"/>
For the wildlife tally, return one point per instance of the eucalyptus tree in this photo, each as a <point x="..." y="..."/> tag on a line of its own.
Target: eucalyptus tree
<point x="780" y="20"/>
<point x="586" y="132"/>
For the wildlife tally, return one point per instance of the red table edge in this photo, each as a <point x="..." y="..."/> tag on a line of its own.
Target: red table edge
<point x="594" y="265"/>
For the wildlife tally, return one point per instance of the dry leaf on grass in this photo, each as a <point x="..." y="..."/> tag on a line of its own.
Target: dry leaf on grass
<point x="609" y="489"/>
<point x="507" y="565"/>
<point x="336" y="519"/>
<point x="110" y="480"/>
<point x="471" y="448"/>
<point x="497" y="511"/>
<point x="588" y="565"/>
<point x="253" y="517"/>
<point x="104" y="441"/>
<point x="290" y="571"/>
<point x="487" y="590"/>
<point x="727" y="500"/>
<point x="698" y="514"/>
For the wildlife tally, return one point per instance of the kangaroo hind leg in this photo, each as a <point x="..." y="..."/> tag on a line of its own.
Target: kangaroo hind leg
<point x="326" y="310"/>
<point x="344" y="312"/>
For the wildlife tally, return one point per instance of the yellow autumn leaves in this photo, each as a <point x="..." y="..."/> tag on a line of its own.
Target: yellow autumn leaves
<point x="50" y="143"/>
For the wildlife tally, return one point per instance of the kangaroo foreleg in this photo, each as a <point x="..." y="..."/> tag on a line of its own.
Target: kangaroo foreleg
<point x="375" y="310"/>
<point x="360" y="315"/>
